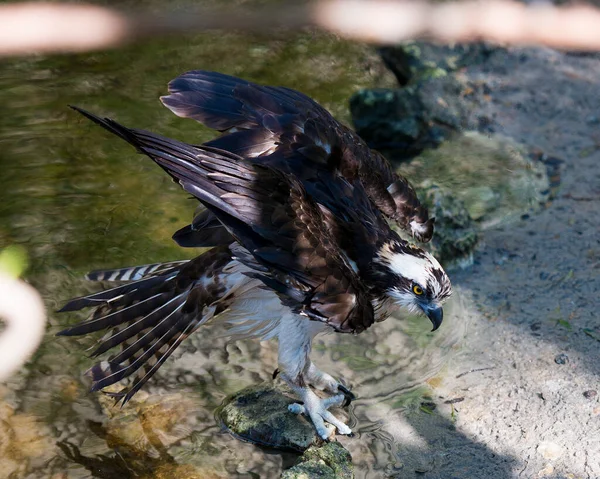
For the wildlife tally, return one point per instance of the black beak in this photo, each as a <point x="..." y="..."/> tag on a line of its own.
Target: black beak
<point x="436" y="316"/>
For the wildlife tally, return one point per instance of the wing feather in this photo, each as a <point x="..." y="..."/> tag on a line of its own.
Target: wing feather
<point x="266" y="204"/>
<point x="297" y="135"/>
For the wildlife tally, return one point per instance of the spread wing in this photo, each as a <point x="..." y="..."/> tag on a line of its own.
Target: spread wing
<point x="290" y="237"/>
<point x="283" y="128"/>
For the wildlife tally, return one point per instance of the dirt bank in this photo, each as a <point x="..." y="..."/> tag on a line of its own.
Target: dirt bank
<point x="532" y="409"/>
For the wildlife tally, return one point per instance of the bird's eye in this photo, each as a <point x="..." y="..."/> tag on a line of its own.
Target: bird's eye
<point x="417" y="290"/>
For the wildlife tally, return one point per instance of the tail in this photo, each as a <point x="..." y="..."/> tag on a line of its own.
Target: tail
<point x="148" y="317"/>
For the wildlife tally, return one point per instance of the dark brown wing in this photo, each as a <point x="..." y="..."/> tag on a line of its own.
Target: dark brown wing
<point x="291" y="132"/>
<point x="204" y="230"/>
<point x="271" y="215"/>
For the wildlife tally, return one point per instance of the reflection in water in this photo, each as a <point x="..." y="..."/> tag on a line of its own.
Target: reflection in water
<point x="78" y="201"/>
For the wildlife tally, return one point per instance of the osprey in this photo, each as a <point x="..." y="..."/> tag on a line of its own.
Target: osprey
<point x="296" y="210"/>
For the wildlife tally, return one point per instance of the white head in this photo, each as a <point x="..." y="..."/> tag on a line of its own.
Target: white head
<point x="414" y="279"/>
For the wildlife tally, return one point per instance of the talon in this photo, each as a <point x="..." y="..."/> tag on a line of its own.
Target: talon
<point x="275" y="373"/>
<point x="316" y="409"/>
<point x="349" y="396"/>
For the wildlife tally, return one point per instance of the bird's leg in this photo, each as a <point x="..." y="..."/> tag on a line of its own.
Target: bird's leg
<point x="325" y="382"/>
<point x="317" y="408"/>
<point x="320" y="380"/>
<point x="295" y="337"/>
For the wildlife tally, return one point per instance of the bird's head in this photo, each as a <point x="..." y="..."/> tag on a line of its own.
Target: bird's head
<point x="413" y="279"/>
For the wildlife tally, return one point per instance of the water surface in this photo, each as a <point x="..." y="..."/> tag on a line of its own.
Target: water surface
<point x="78" y="199"/>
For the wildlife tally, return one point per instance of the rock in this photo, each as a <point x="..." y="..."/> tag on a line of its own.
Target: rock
<point x="331" y="461"/>
<point x="403" y="122"/>
<point x="259" y="414"/>
<point x="185" y="471"/>
<point x="492" y="175"/>
<point x="590" y="394"/>
<point x="414" y="61"/>
<point x="455" y="235"/>
<point x="424" y="465"/>
<point x="546" y="471"/>
<point x="561" y="359"/>
<point x="550" y="450"/>
<point x="25" y="442"/>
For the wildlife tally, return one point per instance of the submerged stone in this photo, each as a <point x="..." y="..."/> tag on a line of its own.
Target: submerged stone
<point x="259" y="414"/>
<point x="331" y="461"/>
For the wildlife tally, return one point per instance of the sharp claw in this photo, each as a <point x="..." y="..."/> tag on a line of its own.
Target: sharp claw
<point x="346" y="392"/>
<point x="349" y="396"/>
<point x="316" y="408"/>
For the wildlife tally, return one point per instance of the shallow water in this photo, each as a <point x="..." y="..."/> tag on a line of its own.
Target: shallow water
<point x="77" y="199"/>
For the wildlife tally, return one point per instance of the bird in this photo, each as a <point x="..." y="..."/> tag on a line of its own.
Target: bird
<point x="296" y="212"/>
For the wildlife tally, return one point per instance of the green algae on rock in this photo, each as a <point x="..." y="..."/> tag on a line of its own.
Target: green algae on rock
<point x="331" y="461"/>
<point x="493" y="175"/>
<point x="259" y="414"/>
<point x="414" y="61"/>
<point x="455" y="231"/>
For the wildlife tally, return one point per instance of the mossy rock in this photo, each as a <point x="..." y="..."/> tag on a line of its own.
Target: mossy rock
<point x="493" y="176"/>
<point x="403" y="122"/>
<point x="455" y="234"/>
<point x="259" y="414"/>
<point x="415" y="61"/>
<point x="331" y="461"/>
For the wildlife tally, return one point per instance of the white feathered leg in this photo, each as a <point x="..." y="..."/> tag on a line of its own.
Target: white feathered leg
<point x="295" y="337"/>
<point x="324" y="382"/>
<point x="321" y="380"/>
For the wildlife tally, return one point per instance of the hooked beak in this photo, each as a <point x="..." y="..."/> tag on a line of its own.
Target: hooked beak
<point x="435" y="315"/>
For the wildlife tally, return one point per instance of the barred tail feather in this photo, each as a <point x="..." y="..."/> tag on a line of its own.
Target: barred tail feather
<point x="149" y="369"/>
<point x="106" y="317"/>
<point x="144" y="346"/>
<point x="149" y="316"/>
<point x="111" y="295"/>
<point x="133" y="273"/>
<point x="129" y="329"/>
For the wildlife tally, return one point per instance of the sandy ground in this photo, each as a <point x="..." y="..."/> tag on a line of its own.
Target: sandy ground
<point x="533" y="410"/>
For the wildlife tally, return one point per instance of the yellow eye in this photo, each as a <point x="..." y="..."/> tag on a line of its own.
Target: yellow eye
<point x="417" y="290"/>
